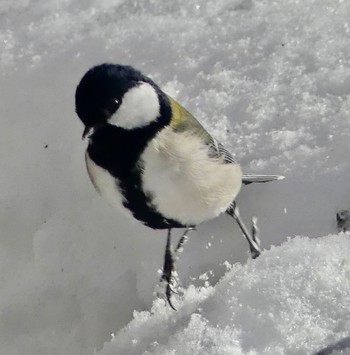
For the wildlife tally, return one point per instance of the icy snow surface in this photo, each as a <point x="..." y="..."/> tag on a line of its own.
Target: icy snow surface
<point x="271" y="80"/>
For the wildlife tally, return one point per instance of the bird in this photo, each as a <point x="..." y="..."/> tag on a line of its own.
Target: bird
<point x="152" y="159"/>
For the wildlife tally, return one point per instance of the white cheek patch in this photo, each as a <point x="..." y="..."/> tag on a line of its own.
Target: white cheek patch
<point x="140" y="106"/>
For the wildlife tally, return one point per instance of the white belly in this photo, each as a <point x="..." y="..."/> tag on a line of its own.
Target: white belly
<point x="185" y="184"/>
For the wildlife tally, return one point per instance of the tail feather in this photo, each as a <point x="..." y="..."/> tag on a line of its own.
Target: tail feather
<point x="258" y="178"/>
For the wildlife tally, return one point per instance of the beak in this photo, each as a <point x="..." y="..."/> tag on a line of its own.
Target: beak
<point x="88" y="131"/>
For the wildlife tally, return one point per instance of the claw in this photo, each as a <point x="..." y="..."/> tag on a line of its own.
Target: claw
<point x="168" y="291"/>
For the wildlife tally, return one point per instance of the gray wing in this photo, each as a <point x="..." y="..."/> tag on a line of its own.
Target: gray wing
<point x="217" y="150"/>
<point x="182" y="121"/>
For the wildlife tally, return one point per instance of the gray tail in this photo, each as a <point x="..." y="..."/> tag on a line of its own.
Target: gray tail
<point x="255" y="178"/>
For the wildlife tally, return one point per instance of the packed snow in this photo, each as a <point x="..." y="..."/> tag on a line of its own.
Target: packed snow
<point x="271" y="81"/>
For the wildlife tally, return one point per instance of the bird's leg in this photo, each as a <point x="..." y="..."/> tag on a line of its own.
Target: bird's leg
<point x="169" y="261"/>
<point x="183" y="240"/>
<point x="255" y="231"/>
<point x="253" y="240"/>
<point x="168" y="269"/>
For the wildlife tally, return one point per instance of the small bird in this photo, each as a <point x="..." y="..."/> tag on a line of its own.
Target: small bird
<point x="149" y="156"/>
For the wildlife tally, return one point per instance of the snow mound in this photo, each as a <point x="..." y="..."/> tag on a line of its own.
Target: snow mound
<point x="294" y="299"/>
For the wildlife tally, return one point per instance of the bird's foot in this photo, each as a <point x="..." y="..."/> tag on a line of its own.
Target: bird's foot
<point x="169" y="276"/>
<point x="171" y="287"/>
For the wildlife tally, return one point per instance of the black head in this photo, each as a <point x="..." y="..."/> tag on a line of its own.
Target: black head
<point x="102" y="90"/>
<point x="99" y="92"/>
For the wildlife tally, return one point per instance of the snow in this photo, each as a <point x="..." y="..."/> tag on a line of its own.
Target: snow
<point x="293" y="299"/>
<point x="271" y="80"/>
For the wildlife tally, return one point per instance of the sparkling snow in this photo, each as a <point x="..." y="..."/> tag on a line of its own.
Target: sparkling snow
<point x="271" y="80"/>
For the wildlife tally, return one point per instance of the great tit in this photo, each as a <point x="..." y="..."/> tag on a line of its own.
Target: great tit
<point x="149" y="156"/>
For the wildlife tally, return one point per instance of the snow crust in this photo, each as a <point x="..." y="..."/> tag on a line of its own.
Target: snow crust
<point x="271" y="80"/>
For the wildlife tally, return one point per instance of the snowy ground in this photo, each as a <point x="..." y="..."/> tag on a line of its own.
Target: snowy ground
<point x="271" y="80"/>
<point x="292" y="300"/>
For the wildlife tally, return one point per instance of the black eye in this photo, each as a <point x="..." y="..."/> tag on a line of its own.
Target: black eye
<point x="111" y="106"/>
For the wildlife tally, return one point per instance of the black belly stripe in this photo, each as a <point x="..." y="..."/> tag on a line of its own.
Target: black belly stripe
<point x="118" y="151"/>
